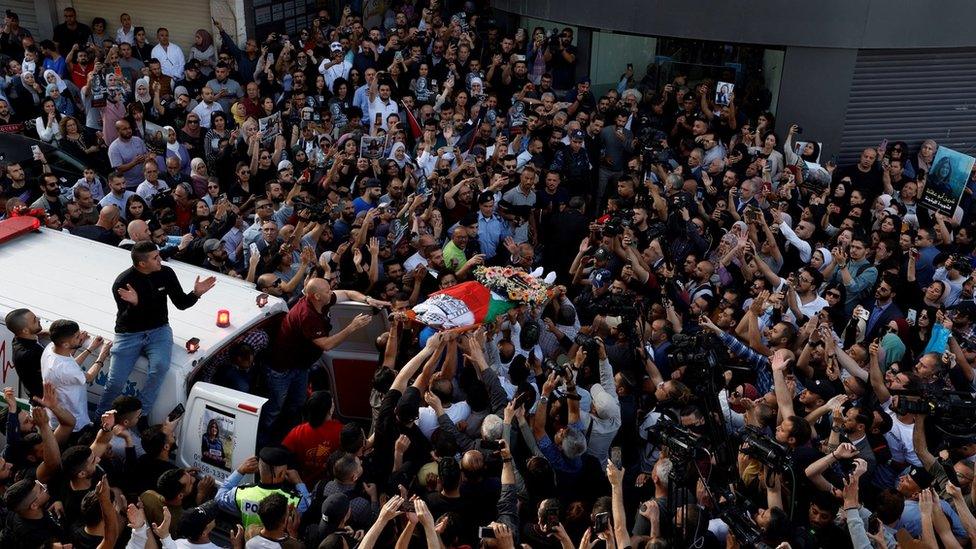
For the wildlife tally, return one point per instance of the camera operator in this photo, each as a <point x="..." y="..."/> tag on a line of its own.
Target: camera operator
<point x="560" y="56"/>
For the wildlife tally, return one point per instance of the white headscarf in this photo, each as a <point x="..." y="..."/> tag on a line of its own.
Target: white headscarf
<point x="57" y="80"/>
<point x="828" y="258"/>
<point x="399" y="146"/>
<point x="172" y="147"/>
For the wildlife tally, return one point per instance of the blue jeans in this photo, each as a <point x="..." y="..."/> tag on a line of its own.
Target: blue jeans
<point x="157" y="345"/>
<point x="287" y="391"/>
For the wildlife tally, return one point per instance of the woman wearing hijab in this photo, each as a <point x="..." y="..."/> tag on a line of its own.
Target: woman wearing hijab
<point x="926" y="154"/>
<point x="64" y="105"/>
<point x="399" y="155"/>
<point x="203" y="51"/>
<point x="142" y="96"/>
<point x="191" y="135"/>
<point x="173" y="148"/>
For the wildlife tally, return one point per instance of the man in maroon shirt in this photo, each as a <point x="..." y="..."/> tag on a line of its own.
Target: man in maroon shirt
<point x="302" y="338"/>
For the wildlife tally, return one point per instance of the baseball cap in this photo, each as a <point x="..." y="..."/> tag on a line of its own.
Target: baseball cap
<point x="373" y="182"/>
<point x="822" y="388"/>
<point x="577" y="135"/>
<point x="602" y="254"/>
<point x="194" y="521"/>
<point x="921" y="477"/>
<point x="211" y="245"/>
<point x="335" y="46"/>
<point x="334" y="509"/>
<point x="601" y="278"/>
<point x="275" y="456"/>
<point x="284" y="165"/>
<point x="605" y="404"/>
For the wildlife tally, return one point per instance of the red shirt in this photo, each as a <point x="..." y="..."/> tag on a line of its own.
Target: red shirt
<point x="79" y="74"/>
<point x="301" y="326"/>
<point x="312" y="446"/>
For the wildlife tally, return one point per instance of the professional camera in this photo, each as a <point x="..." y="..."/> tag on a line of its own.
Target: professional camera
<point x="772" y="454"/>
<point x="698" y="351"/>
<point x="951" y="411"/>
<point x="320" y="210"/>
<point x="586" y="342"/>
<point x="620" y="220"/>
<point x="680" y="442"/>
<point x="653" y="150"/>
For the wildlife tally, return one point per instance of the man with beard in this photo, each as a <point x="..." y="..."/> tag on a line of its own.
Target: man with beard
<point x="61" y="367"/>
<point x="25" y="326"/>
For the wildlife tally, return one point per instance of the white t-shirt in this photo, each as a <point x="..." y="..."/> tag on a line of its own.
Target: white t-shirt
<point x="147" y="191"/>
<point x="378" y="107"/>
<point x="427" y="421"/>
<point x="69" y="382"/>
<point x="900" y="440"/>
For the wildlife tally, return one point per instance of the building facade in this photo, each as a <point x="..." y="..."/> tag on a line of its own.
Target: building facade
<point x="850" y="72"/>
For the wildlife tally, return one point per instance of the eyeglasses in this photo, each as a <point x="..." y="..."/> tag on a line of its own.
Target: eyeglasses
<point x="213" y="186"/>
<point x="192" y="121"/>
<point x="833" y="294"/>
<point x="277" y="283"/>
<point x="265" y="158"/>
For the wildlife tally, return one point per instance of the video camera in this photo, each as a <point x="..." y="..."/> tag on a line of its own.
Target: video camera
<point x="321" y="212"/>
<point x="772" y="454"/>
<point x="680" y="442"/>
<point x="952" y="411"/>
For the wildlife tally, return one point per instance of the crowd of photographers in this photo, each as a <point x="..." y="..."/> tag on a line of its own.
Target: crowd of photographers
<point x="744" y="345"/>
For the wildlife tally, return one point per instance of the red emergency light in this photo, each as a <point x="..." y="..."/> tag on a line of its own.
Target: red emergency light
<point x="223" y="318"/>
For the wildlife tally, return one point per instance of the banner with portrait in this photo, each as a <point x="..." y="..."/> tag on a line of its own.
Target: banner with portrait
<point x="946" y="181"/>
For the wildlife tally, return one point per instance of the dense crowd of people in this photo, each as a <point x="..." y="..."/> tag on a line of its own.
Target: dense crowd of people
<point x="744" y="346"/>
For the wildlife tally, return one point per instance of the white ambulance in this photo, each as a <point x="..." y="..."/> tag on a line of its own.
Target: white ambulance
<point x="57" y="275"/>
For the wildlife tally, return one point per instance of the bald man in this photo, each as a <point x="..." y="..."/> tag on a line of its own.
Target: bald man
<point x="305" y="333"/>
<point x="102" y="231"/>
<point x="138" y="231"/>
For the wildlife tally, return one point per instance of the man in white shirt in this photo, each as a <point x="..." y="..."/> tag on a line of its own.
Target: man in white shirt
<point x="207" y="107"/>
<point x="61" y="368"/>
<point x="170" y="55"/>
<point x="418" y="258"/>
<point x="335" y="66"/>
<point x="152" y="185"/>
<point x="126" y="33"/>
<point x="380" y="104"/>
<point x="442" y="389"/>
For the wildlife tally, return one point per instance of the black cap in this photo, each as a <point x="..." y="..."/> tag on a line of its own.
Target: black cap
<point x="17" y="493"/>
<point x="470" y="218"/>
<point x="822" y="388"/>
<point x="334" y="509"/>
<point x="275" y="456"/>
<point x="408" y="408"/>
<point x="921" y="477"/>
<point x="373" y="182"/>
<point x="194" y="521"/>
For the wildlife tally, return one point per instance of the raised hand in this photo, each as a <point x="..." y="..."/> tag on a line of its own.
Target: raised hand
<point x="129" y="295"/>
<point x="201" y="287"/>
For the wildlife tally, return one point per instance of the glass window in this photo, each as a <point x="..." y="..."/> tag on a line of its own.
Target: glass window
<point x="612" y="52"/>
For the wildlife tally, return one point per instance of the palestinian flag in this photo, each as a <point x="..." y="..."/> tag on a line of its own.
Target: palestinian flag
<point x="415" y="129"/>
<point x="460" y="306"/>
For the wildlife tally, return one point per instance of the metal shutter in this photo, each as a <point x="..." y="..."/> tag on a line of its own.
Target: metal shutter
<point x="911" y="96"/>
<point x="181" y="17"/>
<point x="27" y="13"/>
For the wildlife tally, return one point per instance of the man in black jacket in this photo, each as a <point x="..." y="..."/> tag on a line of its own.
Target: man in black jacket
<point x="142" y="322"/>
